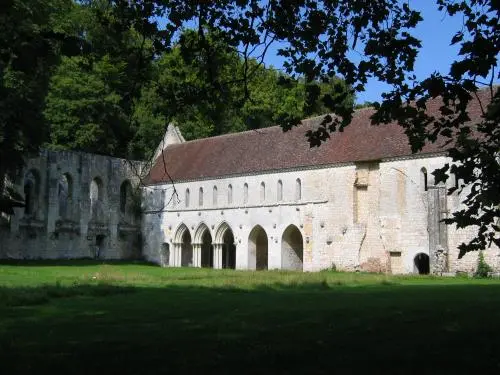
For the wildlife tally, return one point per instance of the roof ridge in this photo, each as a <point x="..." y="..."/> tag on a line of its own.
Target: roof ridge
<point x="272" y="128"/>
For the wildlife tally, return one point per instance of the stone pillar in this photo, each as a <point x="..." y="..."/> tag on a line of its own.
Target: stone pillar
<point x="218" y="255"/>
<point x="438" y="235"/>
<point x="197" y="255"/>
<point x="171" y="260"/>
<point x="177" y="255"/>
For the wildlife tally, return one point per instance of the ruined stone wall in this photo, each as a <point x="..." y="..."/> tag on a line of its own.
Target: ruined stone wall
<point x="78" y="205"/>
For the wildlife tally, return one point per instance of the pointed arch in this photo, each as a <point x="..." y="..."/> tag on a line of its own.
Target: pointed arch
<point x="292" y="249"/>
<point x="200" y="231"/>
<point x="258" y="249"/>
<point x="221" y="230"/>
<point x="179" y="232"/>
<point x="203" y="238"/>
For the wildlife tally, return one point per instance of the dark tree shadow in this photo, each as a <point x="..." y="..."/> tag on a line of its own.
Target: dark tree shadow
<point x="273" y="329"/>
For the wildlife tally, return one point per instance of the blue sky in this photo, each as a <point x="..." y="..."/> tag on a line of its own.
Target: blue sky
<point x="435" y="32"/>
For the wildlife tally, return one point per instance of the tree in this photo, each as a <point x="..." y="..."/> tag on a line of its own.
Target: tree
<point x="91" y="97"/>
<point x="317" y="39"/>
<point x="30" y="45"/>
<point x="182" y="91"/>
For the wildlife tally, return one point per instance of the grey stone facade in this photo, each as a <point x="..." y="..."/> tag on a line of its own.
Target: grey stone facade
<point x="78" y="205"/>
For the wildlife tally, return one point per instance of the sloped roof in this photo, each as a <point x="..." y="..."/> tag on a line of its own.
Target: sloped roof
<point x="272" y="149"/>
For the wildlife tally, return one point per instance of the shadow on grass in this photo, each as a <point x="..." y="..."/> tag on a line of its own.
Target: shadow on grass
<point x="313" y="328"/>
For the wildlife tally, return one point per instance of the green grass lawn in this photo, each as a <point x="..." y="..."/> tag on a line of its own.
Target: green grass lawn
<point x="87" y="318"/>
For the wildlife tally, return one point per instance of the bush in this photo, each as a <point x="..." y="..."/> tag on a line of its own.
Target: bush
<point x="483" y="269"/>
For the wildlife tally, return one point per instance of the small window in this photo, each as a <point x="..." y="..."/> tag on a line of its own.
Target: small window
<point x="230" y="194"/>
<point x="298" y="190"/>
<point x="245" y="193"/>
<point x="424" y="179"/>
<point x="279" y="194"/>
<point x="200" y="197"/>
<point x="215" y="196"/>
<point x="262" y="191"/>
<point x="162" y="199"/>
<point x="187" y="198"/>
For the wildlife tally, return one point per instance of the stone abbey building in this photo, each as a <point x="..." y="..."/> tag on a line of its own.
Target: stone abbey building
<point x="255" y="200"/>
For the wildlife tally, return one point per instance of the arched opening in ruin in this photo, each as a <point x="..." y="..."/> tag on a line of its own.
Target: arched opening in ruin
<point x="292" y="249"/>
<point x="165" y="254"/>
<point x="125" y="196"/>
<point x="186" y="250"/>
<point x="257" y="249"/>
<point x="65" y="195"/>
<point x="96" y="199"/>
<point x="31" y="192"/>
<point x="99" y="245"/>
<point x="422" y="264"/>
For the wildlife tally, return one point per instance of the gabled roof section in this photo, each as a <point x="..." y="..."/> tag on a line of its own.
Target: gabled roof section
<point x="271" y="149"/>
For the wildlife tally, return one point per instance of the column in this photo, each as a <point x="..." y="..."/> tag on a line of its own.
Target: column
<point x="197" y="255"/>
<point x="218" y="256"/>
<point x="175" y="255"/>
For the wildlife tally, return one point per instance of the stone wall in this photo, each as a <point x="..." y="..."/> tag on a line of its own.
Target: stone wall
<point x="78" y="205"/>
<point x="372" y="216"/>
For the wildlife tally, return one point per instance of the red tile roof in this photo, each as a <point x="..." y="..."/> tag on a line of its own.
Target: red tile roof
<point x="272" y="149"/>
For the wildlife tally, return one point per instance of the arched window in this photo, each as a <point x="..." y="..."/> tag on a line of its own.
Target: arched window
<point x="31" y="192"/>
<point x="200" y="197"/>
<point x="162" y="199"/>
<point x="262" y="191"/>
<point x="298" y="189"/>
<point x="245" y="193"/>
<point x="423" y="179"/>
<point x="186" y="198"/>
<point x="279" y="193"/>
<point x="175" y="198"/>
<point x="65" y="195"/>
<point x="96" y="198"/>
<point x="215" y="196"/>
<point x="230" y="194"/>
<point x="125" y="196"/>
